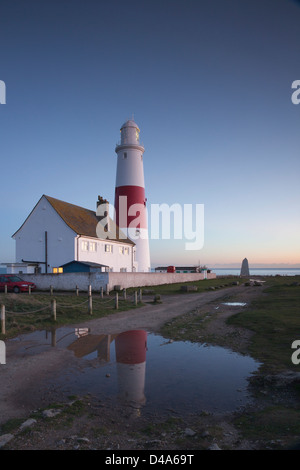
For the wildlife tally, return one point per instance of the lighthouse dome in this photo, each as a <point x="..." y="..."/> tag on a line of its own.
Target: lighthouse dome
<point x="130" y="133"/>
<point x="130" y="123"/>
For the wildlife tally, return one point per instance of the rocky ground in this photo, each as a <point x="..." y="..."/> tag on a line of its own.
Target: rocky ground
<point x="32" y="417"/>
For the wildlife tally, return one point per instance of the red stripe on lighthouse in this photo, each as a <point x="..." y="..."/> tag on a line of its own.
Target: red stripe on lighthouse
<point x="130" y="207"/>
<point x="131" y="347"/>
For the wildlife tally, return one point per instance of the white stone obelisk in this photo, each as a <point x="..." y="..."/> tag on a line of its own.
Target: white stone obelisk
<point x="130" y="200"/>
<point x="245" y="268"/>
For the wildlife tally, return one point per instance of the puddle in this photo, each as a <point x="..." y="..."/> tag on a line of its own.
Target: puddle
<point x="147" y="371"/>
<point x="235" y="304"/>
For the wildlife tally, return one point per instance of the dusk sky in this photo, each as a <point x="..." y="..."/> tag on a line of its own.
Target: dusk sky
<point x="208" y="82"/>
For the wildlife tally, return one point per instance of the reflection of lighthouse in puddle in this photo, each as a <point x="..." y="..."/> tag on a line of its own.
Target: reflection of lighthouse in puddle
<point x="131" y="347"/>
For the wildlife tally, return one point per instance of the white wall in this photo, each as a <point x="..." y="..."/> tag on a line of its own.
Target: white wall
<point x="19" y="269"/>
<point x="69" y="281"/>
<point x="30" y="239"/>
<point x="63" y="242"/>
<point x="114" y="259"/>
<point x="152" y="279"/>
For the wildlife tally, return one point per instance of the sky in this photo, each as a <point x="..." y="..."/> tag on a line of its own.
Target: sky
<point x="209" y="84"/>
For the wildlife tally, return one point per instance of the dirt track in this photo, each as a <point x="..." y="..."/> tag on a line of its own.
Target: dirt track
<point x="22" y="387"/>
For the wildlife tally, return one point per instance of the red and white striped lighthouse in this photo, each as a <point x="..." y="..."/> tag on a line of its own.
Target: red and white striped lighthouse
<point x="130" y="200"/>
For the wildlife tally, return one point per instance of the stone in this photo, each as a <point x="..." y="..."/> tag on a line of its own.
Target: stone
<point x="189" y="288"/>
<point x="189" y="432"/>
<point x="50" y="413"/>
<point x="5" y="438"/>
<point x="214" y="447"/>
<point x="245" y="268"/>
<point x="83" y="439"/>
<point x="28" y="423"/>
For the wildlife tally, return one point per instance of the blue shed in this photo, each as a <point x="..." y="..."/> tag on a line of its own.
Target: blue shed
<point x="83" y="267"/>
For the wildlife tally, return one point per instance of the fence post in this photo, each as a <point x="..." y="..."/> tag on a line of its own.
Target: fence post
<point x="5" y="289"/>
<point x="53" y="309"/>
<point x="140" y="295"/>
<point x="124" y="294"/>
<point x="51" y="290"/>
<point x="29" y="290"/>
<point x="3" y="319"/>
<point x="101" y="292"/>
<point x="90" y="305"/>
<point x="135" y="297"/>
<point x="117" y="301"/>
<point x="77" y="290"/>
<point x="107" y="289"/>
<point x="90" y="290"/>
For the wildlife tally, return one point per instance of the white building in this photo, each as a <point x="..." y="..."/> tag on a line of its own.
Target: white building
<point x="56" y="233"/>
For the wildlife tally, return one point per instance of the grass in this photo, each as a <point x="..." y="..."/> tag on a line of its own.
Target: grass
<point x="25" y="313"/>
<point x="278" y="425"/>
<point x="275" y="322"/>
<point x="274" y="319"/>
<point x="202" y="286"/>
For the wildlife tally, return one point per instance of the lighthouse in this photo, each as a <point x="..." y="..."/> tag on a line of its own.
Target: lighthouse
<point x="130" y="200"/>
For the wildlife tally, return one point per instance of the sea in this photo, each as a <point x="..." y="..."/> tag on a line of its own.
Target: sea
<point x="237" y="271"/>
<point x="258" y="271"/>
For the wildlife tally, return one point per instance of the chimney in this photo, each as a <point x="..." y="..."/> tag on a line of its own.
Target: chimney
<point x="103" y="212"/>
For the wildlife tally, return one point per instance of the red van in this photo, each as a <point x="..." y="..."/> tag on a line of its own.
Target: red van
<point x="171" y="269"/>
<point x="14" y="283"/>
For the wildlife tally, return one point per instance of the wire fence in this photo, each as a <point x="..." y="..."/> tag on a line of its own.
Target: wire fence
<point x="56" y="305"/>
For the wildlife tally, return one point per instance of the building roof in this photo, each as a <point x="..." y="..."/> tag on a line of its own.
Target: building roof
<point x="85" y="263"/>
<point x="82" y="221"/>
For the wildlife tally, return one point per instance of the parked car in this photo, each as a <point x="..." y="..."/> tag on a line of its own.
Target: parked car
<point x="14" y="283"/>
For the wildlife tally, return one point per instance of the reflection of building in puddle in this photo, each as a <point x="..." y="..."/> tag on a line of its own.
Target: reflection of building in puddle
<point x="87" y="344"/>
<point x="81" y="332"/>
<point x="131" y="347"/>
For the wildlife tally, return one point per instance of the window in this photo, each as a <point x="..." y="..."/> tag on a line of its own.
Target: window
<point x="93" y="246"/>
<point x="84" y="246"/>
<point x="57" y="270"/>
<point x="121" y="250"/>
<point x="126" y="250"/>
<point x="125" y="155"/>
<point x="108" y="248"/>
<point x="123" y="270"/>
